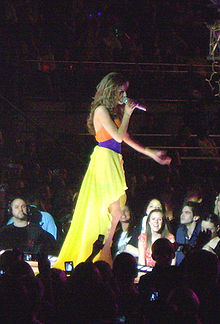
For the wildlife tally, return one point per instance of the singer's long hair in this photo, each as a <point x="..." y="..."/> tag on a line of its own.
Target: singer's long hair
<point x="106" y="95"/>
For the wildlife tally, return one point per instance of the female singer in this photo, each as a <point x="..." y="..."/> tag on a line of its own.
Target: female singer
<point x="102" y="193"/>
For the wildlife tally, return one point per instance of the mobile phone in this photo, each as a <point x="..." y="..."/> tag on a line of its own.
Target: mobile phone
<point x="101" y="237"/>
<point x="154" y="296"/>
<point x="68" y="265"/>
<point x="1" y="272"/>
<point x="142" y="268"/>
<point x="28" y="257"/>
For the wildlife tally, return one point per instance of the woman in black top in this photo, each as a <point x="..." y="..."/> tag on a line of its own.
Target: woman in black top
<point x="211" y="225"/>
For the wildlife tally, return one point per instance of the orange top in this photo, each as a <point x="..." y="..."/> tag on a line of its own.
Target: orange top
<point x="102" y="135"/>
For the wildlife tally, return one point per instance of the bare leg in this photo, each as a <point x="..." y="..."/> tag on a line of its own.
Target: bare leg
<point x="116" y="213"/>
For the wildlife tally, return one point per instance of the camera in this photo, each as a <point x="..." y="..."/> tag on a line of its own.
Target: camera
<point x="68" y="267"/>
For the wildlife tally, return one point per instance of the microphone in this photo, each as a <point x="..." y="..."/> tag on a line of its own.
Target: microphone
<point x="138" y="106"/>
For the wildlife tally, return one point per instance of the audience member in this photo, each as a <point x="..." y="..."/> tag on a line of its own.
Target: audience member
<point x="211" y="226"/>
<point x="37" y="216"/>
<point x="189" y="228"/>
<point x="125" y="272"/>
<point x="164" y="276"/>
<point x="86" y="288"/>
<point x="152" y="204"/>
<point x="156" y="228"/>
<point x="23" y="234"/>
<point x="124" y="234"/>
<point x="185" y="304"/>
<point x="201" y="273"/>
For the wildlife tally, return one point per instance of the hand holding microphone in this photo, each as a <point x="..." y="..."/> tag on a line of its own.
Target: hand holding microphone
<point x="138" y="106"/>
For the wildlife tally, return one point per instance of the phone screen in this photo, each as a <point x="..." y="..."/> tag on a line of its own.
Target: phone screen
<point x="28" y="257"/>
<point x="68" y="266"/>
<point x="101" y="237"/>
<point x="142" y="268"/>
<point x="154" y="296"/>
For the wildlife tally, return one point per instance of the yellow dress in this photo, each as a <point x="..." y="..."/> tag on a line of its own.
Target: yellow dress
<point x="104" y="183"/>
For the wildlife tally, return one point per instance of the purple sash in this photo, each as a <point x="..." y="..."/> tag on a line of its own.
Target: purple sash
<point x="112" y="145"/>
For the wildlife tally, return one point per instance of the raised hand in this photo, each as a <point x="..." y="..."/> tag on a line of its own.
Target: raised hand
<point x="162" y="158"/>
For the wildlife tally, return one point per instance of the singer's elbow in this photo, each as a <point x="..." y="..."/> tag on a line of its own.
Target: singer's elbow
<point x="119" y="140"/>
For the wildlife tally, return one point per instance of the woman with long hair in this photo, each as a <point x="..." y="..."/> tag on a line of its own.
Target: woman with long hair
<point x="153" y="203"/>
<point x="124" y="231"/>
<point x="156" y="228"/>
<point x="102" y="193"/>
<point x="211" y="225"/>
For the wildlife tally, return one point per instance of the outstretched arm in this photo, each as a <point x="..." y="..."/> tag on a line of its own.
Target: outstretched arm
<point x="157" y="155"/>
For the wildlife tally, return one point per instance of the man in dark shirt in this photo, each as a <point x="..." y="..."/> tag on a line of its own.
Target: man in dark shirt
<point x="189" y="228"/>
<point x="155" y="286"/>
<point x="23" y="234"/>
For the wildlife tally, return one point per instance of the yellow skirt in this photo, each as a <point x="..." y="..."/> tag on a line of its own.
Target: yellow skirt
<point x="103" y="184"/>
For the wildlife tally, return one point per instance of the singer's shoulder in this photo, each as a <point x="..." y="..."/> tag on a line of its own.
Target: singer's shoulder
<point x="101" y="111"/>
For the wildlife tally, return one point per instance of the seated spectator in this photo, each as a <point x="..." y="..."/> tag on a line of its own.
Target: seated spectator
<point x="23" y="234"/>
<point x="123" y="234"/>
<point x="125" y="272"/>
<point x="85" y="287"/>
<point x="155" y="286"/>
<point x="8" y="258"/>
<point x="164" y="276"/>
<point x="43" y="218"/>
<point x="105" y="271"/>
<point x="152" y="204"/>
<point x="19" y="274"/>
<point x="132" y="246"/>
<point x="156" y="228"/>
<point x="189" y="228"/>
<point x="201" y="273"/>
<point x="211" y="225"/>
<point x="185" y="305"/>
